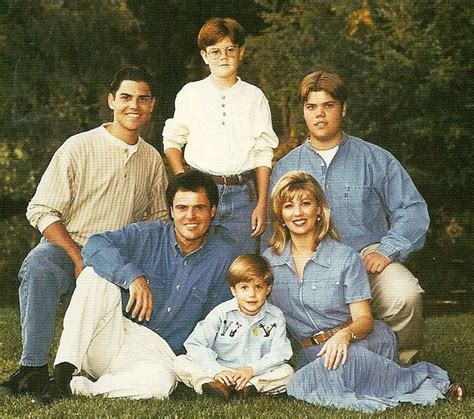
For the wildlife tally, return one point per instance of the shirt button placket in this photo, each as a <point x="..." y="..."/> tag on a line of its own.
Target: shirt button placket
<point x="223" y="113"/>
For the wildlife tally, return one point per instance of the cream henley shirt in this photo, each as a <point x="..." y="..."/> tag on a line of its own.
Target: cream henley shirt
<point x="225" y="131"/>
<point x="96" y="182"/>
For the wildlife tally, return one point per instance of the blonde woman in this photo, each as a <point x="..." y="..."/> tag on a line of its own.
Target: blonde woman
<point x="347" y="358"/>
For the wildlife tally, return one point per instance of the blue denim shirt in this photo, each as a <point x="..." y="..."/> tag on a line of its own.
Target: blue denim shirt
<point x="371" y="196"/>
<point x="184" y="287"/>
<point x="227" y="338"/>
<point x="333" y="277"/>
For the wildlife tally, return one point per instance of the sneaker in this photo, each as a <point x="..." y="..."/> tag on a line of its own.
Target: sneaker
<point x="25" y="380"/>
<point x="54" y="390"/>
<point x="247" y="392"/>
<point x="218" y="390"/>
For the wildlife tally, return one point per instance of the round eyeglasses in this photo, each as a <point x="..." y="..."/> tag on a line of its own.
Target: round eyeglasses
<point x="214" y="53"/>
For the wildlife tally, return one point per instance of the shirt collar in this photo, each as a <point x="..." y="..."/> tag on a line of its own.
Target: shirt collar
<point x="230" y="89"/>
<point x="112" y="139"/>
<point x="322" y="256"/>
<point x="342" y="144"/>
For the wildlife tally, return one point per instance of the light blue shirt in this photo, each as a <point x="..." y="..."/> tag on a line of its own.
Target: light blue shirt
<point x="184" y="287"/>
<point x="371" y="196"/>
<point x="227" y="338"/>
<point x="333" y="277"/>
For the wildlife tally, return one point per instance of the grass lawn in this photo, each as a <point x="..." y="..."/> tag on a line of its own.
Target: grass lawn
<point x="448" y="343"/>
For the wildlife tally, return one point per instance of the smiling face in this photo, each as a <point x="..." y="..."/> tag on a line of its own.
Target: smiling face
<point x="224" y="67"/>
<point x="192" y="214"/>
<point x="323" y="116"/>
<point x="251" y="296"/>
<point x="300" y="215"/>
<point x="132" y="106"/>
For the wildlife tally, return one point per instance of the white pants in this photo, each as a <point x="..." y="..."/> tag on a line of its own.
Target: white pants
<point x="397" y="300"/>
<point x="125" y="358"/>
<point x="191" y="374"/>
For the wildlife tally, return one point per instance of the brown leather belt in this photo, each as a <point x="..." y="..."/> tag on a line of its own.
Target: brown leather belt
<point x="323" y="336"/>
<point x="232" y="180"/>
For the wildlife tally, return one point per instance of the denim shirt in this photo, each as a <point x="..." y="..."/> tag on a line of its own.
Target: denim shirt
<point x="371" y="196"/>
<point x="227" y="338"/>
<point x="333" y="277"/>
<point x="184" y="287"/>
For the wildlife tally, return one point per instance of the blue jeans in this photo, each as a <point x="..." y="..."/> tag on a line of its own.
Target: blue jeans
<point x="236" y="204"/>
<point x="46" y="274"/>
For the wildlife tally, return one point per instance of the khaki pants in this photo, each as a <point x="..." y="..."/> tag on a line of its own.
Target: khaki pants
<point x="123" y="358"/>
<point x="191" y="374"/>
<point x="397" y="300"/>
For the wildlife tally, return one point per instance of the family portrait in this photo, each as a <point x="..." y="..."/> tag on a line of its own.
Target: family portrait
<point x="236" y="209"/>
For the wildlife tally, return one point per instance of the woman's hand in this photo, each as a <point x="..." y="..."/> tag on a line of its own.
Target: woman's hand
<point x="335" y="349"/>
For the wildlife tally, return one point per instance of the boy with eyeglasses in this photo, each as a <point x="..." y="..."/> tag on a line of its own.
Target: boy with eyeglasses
<point x="225" y="124"/>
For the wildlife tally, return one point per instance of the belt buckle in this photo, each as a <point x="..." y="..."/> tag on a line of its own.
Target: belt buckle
<point x="314" y="337"/>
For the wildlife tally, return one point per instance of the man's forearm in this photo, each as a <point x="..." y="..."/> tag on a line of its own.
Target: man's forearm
<point x="175" y="159"/>
<point x="57" y="234"/>
<point x="262" y="175"/>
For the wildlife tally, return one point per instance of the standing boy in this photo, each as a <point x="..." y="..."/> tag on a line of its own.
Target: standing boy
<point x="375" y="206"/>
<point x="226" y="126"/>
<point x="98" y="180"/>
<point x="241" y="346"/>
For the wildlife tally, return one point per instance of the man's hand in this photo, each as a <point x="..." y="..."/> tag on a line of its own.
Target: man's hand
<point x="375" y="262"/>
<point x="140" y="299"/>
<point x="225" y="377"/>
<point x="242" y="377"/>
<point x="259" y="220"/>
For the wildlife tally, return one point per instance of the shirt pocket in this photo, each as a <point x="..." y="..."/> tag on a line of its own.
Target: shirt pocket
<point x="362" y="204"/>
<point x="324" y="295"/>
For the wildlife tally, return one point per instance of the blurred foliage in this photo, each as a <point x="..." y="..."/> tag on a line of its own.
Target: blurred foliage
<point x="407" y="63"/>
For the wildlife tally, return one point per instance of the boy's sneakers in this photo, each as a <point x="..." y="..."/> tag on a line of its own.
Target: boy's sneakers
<point x="25" y="380"/>
<point x="217" y="389"/>
<point x="247" y="392"/>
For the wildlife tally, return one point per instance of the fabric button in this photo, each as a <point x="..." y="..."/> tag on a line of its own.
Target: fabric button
<point x="223" y="123"/>
<point x="224" y="114"/>
<point x="223" y="105"/>
<point x="168" y="309"/>
<point x="185" y="262"/>
<point x="223" y="97"/>
<point x="178" y="287"/>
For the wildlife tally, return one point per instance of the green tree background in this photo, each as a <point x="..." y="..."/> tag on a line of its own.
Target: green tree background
<point x="408" y="64"/>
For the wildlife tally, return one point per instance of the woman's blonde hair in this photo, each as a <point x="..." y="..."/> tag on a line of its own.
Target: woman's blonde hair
<point x="293" y="185"/>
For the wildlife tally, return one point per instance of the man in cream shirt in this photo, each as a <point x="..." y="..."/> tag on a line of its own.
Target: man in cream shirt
<point x="97" y="180"/>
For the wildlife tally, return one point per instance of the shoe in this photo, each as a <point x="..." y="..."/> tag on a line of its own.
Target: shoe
<point x="217" y="389"/>
<point x="25" y="380"/>
<point x="247" y="392"/>
<point x="456" y="391"/>
<point x="54" y="390"/>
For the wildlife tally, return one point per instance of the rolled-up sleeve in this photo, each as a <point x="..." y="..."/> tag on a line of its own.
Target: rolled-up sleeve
<point x="54" y="194"/>
<point x="175" y="131"/>
<point x="266" y="139"/>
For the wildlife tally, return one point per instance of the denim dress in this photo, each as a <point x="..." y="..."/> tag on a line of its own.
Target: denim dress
<point x="370" y="380"/>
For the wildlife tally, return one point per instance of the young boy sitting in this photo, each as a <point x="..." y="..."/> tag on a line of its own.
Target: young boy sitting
<point x="241" y="347"/>
<point x="223" y="125"/>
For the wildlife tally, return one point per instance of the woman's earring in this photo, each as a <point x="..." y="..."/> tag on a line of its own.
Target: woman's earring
<point x="318" y="218"/>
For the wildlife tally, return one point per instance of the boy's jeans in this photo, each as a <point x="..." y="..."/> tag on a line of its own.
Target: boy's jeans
<point x="46" y="274"/>
<point x="236" y="204"/>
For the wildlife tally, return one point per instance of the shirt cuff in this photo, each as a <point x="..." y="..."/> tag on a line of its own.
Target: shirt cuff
<point x="127" y="274"/>
<point x="388" y="250"/>
<point x="46" y="221"/>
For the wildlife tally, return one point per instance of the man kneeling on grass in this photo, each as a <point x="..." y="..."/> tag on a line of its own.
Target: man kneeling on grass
<point x="167" y="276"/>
<point x="241" y="347"/>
